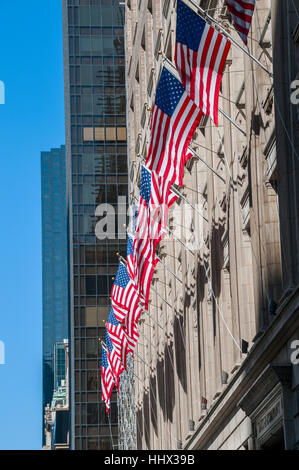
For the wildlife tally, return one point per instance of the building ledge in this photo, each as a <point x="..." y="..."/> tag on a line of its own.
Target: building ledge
<point x="262" y="353"/>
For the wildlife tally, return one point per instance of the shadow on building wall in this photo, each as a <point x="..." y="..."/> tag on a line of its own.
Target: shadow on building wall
<point x="153" y="401"/>
<point x="146" y="418"/>
<point x="179" y="334"/>
<point x="139" y="423"/>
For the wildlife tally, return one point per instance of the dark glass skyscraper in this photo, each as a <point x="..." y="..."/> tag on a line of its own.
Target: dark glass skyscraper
<point x="54" y="262"/>
<point x="95" y="102"/>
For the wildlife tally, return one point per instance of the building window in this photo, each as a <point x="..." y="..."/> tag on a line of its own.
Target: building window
<point x="110" y="133"/>
<point x="91" y="316"/>
<point x="88" y="134"/>
<point x="121" y="133"/>
<point x="99" y="133"/>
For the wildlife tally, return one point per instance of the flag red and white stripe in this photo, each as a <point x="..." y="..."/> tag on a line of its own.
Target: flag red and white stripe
<point x="130" y="256"/>
<point x="113" y="359"/>
<point x="107" y="379"/>
<point x="124" y="297"/>
<point x="121" y="341"/>
<point x="123" y="300"/>
<point x="241" y="12"/>
<point x="200" y="56"/>
<point x="156" y="198"/>
<point x="173" y="122"/>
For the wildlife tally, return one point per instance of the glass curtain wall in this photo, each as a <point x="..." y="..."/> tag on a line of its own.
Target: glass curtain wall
<point x="54" y="263"/>
<point x="97" y="160"/>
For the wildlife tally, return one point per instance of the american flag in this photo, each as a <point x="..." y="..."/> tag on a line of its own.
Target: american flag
<point x="200" y="57"/>
<point x="173" y="122"/>
<point x="156" y="198"/>
<point x="124" y="297"/>
<point x="241" y="11"/>
<point x="107" y="379"/>
<point x="133" y="212"/>
<point x="122" y="343"/>
<point x="134" y="311"/>
<point x="114" y="359"/>
<point x="130" y="256"/>
<point x="130" y="241"/>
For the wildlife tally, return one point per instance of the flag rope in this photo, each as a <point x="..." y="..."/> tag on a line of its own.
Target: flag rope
<point x="158" y="324"/>
<point x="148" y="340"/>
<point x="168" y="269"/>
<point x="213" y="293"/>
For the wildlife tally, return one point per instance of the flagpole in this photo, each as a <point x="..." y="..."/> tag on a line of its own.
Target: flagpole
<point x="136" y="376"/>
<point x="160" y="296"/>
<point x="169" y="270"/>
<point x="209" y="166"/>
<point x="177" y="192"/>
<point x="232" y="122"/>
<point x="162" y="262"/>
<point x="152" y="318"/>
<point x="219" y="109"/>
<point x="205" y="15"/>
<point x="105" y="347"/>
<point x="123" y="261"/>
<point x="180" y="195"/>
<point x="103" y="344"/>
<point x="180" y="241"/>
<point x="203" y="161"/>
<point x="147" y="339"/>
<point x="148" y="365"/>
<point x="209" y="281"/>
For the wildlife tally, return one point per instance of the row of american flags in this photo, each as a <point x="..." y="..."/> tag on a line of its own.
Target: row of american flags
<point x="180" y="103"/>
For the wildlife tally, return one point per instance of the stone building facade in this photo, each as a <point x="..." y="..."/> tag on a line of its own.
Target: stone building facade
<point x="217" y="362"/>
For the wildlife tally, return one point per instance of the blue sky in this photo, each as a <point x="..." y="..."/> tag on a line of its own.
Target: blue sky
<point x="31" y="120"/>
